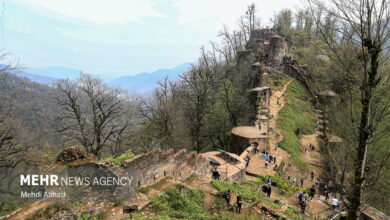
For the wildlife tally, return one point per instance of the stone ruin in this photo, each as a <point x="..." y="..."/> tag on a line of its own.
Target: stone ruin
<point x="70" y="154"/>
<point x="266" y="46"/>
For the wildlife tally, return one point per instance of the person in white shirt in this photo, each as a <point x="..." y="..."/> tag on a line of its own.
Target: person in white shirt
<point x="335" y="203"/>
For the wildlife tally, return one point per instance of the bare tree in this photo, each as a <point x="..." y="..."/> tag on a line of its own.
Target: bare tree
<point x="197" y="84"/>
<point x="92" y="114"/>
<point x="15" y="140"/>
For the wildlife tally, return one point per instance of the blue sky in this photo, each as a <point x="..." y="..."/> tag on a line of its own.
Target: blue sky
<point x="117" y="37"/>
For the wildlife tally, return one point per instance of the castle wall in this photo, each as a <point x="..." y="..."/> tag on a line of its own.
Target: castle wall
<point x="157" y="164"/>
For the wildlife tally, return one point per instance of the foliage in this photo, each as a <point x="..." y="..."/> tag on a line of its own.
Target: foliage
<point x="50" y="211"/>
<point x="154" y="186"/>
<point x="293" y="213"/>
<point x="119" y="159"/>
<point x="247" y="189"/>
<point x="179" y="202"/>
<point x="297" y="113"/>
<point x="281" y="183"/>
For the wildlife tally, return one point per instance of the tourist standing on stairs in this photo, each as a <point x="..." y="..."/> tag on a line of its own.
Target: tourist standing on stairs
<point x="326" y="192"/>
<point x="301" y="196"/>
<point x="269" y="191"/>
<point x="239" y="204"/>
<point x="227" y="197"/>
<point x="312" y="192"/>
<point x="303" y="206"/>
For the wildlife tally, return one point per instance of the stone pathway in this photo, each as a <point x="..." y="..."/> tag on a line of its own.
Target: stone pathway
<point x="257" y="164"/>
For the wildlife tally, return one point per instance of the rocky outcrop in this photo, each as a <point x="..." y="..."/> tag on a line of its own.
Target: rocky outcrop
<point x="70" y="154"/>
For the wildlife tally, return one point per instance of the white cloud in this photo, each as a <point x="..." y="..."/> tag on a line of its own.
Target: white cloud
<point x="227" y="11"/>
<point x="101" y="11"/>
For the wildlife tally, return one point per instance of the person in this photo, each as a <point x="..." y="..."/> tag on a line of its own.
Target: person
<point x="276" y="167"/>
<point x="247" y="159"/>
<point x="343" y="215"/>
<point x="269" y="181"/>
<point x="318" y="182"/>
<point x="216" y="174"/>
<point x="266" y="164"/>
<point x="335" y="203"/>
<point x="312" y="175"/>
<point x="301" y="182"/>
<point x="334" y="191"/>
<point x="288" y="178"/>
<point x="295" y="180"/>
<point x="301" y="196"/>
<point x="270" y="158"/>
<point x="239" y="204"/>
<point x="274" y="160"/>
<point x="269" y="190"/>
<point x="227" y="197"/>
<point x="303" y="206"/>
<point x="326" y="192"/>
<point x="312" y="192"/>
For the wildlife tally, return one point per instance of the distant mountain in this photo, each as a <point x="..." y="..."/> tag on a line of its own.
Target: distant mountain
<point x="59" y="72"/>
<point x="37" y="78"/>
<point x="144" y="83"/>
<point x="33" y="77"/>
<point x="54" y="72"/>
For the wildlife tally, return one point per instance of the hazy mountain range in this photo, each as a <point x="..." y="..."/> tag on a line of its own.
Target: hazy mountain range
<point x="142" y="83"/>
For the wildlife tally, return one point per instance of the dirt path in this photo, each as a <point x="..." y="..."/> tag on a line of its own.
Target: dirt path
<point x="257" y="164"/>
<point x="29" y="210"/>
<point x="116" y="212"/>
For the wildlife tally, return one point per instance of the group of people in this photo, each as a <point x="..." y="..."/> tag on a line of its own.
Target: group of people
<point x="303" y="198"/>
<point x="267" y="189"/>
<point x="269" y="159"/>
<point x="239" y="201"/>
<point x="295" y="181"/>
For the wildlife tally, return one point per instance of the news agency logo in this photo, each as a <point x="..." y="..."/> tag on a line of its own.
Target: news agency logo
<point x="55" y="180"/>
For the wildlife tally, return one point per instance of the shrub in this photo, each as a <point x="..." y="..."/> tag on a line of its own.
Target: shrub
<point x="180" y="202"/>
<point x="119" y="159"/>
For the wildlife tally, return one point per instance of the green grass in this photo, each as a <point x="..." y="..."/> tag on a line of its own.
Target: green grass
<point x="146" y="189"/>
<point x="119" y="159"/>
<point x="282" y="184"/>
<point x="297" y="115"/>
<point x="247" y="189"/>
<point x="179" y="202"/>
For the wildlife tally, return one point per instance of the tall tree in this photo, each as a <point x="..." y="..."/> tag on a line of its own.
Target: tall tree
<point x="368" y="41"/>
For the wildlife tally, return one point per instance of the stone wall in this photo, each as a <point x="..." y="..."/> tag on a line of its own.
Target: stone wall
<point x="277" y="49"/>
<point x="157" y="164"/>
<point x="300" y="73"/>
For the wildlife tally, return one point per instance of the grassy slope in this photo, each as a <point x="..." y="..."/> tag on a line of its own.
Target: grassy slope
<point x="297" y="113"/>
